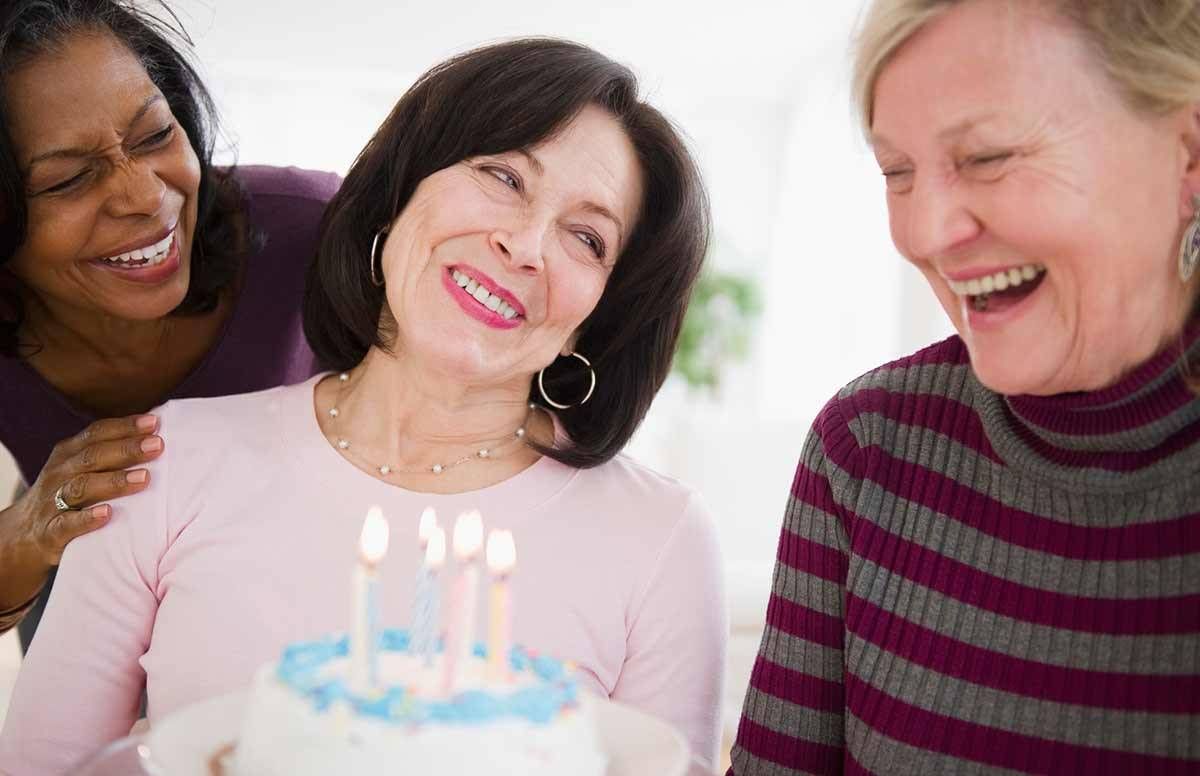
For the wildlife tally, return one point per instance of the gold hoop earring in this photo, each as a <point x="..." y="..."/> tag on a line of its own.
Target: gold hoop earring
<point x="591" y="388"/>
<point x="377" y="279"/>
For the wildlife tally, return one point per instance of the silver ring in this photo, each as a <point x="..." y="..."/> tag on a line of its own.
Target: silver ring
<point x="59" y="502"/>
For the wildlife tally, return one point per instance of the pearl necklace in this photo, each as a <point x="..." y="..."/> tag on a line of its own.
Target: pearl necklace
<point x="386" y="469"/>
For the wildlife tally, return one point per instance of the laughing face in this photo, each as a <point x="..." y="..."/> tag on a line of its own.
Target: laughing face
<point x="1045" y="214"/>
<point x="497" y="260"/>
<point x="111" y="182"/>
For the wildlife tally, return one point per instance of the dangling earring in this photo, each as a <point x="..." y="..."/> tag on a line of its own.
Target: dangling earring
<point x="1189" y="248"/>
<point x="377" y="278"/>
<point x="591" y="388"/>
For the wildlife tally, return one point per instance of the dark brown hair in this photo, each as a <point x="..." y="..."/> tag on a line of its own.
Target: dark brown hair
<point x="29" y="28"/>
<point x="506" y="97"/>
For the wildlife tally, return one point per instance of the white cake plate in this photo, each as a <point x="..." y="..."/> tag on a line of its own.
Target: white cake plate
<point x="184" y="742"/>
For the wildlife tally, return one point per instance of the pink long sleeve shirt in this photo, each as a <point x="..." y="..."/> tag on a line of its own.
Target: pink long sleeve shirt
<point x="246" y="541"/>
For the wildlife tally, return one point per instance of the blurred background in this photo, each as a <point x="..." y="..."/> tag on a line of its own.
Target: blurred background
<point x="807" y="291"/>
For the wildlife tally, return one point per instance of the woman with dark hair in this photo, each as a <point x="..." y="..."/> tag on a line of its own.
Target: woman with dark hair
<point x="131" y="270"/>
<point x="502" y="277"/>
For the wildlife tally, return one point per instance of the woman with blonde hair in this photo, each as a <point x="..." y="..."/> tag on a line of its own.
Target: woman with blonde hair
<point x="990" y="560"/>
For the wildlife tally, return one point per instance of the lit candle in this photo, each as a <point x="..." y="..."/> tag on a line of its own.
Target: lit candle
<point x="425" y="602"/>
<point x="468" y="539"/>
<point x="372" y="546"/>
<point x="501" y="557"/>
<point x="422" y="617"/>
<point x="426" y="526"/>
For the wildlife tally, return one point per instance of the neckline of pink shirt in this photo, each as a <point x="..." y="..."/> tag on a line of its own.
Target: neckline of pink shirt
<point x="302" y="433"/>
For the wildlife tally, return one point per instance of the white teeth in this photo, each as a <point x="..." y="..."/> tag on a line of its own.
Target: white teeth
<point x="151" y="255"/>
<point x="1004" y="279"/>
<point x="483" y="296"/>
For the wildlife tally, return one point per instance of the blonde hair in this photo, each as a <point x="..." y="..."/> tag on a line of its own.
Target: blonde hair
<point x="1150" y="49"/>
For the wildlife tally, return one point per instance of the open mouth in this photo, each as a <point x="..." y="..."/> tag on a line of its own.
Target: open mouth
<point x="1001" y="290"/>
<point x="147" y="256"/>
<point x="483" y="297"/>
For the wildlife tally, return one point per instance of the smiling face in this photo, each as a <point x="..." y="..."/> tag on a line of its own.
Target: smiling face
<point x="1045" y="214"/>
<point x="111" y="182"/>
<point x="497" y="260"/>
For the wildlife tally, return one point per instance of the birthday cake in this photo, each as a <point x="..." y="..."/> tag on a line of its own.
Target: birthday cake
<point x="304" y="716"/>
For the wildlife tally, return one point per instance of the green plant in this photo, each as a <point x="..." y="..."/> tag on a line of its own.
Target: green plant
<point x="716" y="329"/>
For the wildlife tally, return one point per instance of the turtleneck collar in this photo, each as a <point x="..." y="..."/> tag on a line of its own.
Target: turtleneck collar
<point x="1143" y="426"/>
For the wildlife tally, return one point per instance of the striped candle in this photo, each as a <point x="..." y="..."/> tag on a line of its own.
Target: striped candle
<point x="364" y="636"/>
<point x="427" y="598"/>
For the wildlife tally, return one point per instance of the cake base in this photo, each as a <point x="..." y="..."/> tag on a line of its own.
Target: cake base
<point x="286" y="734"/>
<point x="187" y="742"/>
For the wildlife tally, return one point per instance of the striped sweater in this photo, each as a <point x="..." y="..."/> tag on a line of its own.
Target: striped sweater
<point x="971" y="583"/>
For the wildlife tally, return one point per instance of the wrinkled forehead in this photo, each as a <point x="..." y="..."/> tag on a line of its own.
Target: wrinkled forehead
<point x="975" y="61"/>
<point x="85" y="85"/>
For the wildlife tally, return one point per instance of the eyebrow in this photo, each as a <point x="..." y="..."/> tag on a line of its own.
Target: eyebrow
<point x="71" y="153"/>
<point x="590" y="207"/>
<point x="954" y="131"/>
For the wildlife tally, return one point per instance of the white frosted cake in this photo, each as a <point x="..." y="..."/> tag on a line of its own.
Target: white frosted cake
<point x="303" y="718"/>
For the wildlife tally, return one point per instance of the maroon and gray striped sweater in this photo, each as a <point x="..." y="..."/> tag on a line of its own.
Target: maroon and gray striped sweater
<point x="968" y="583"/>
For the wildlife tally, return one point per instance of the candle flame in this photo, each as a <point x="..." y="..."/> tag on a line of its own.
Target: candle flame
<point x="435" y="551"/>
<point x="428" y="523"/>
<point x="373" y="543"/>
<point x="468" y="535"/>
<point x="501" y="552"/>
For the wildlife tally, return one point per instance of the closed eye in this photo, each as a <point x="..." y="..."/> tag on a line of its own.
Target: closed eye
<point x="898" y="180"/>
<point x="158" y="138"/>
<point x="983" y="160"/>
<point x="66" y="185"/>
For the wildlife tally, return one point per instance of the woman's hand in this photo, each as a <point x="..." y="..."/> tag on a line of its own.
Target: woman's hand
<point x="82" y="472"/>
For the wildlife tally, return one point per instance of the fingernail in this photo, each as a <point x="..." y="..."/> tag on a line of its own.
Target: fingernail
<point x="100" y="511"/>
<point x="136" y="477"/>
<point x="146" y="423"/>
<point x="151" y="445"/>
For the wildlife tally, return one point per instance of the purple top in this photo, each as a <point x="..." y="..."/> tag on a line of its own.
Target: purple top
<point x="261" y="346"/>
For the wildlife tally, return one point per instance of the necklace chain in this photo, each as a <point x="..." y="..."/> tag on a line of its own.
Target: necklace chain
<point x="386" y="469"/>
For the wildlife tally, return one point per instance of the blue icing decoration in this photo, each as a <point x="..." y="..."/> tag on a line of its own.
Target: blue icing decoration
<point x="517" y="659"/>
<point x="393" y="640"/>
<point x="536" y="704"/>
<point x="381" y="707"/>
<point x="325" y="695"/>
<point x="477" y="706"/>
<point x="300" y="668"/>
<point x="547" y="668"/>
